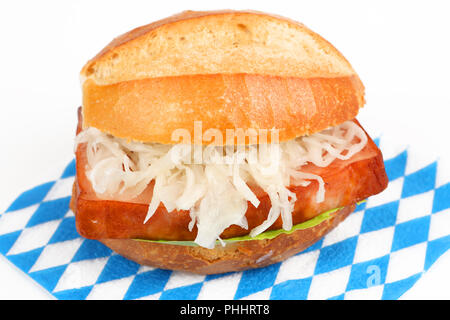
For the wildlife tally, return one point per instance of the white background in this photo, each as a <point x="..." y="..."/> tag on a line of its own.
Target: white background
<point x="400" y="49"/>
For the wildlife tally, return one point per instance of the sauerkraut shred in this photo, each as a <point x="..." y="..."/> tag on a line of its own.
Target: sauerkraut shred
<point x="216" y="192"/>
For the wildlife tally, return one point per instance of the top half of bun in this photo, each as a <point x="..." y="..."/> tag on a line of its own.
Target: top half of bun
<point x="227" y="69"/>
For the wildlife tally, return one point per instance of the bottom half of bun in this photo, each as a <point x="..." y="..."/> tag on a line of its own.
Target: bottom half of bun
<point x="235" y="256"/>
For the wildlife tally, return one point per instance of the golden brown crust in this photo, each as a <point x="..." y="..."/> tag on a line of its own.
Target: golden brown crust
<point x="243" y="42"/>
<point x="227" y="69"/>
<point x="151" y="110"/>
<point x="233" y="257"/>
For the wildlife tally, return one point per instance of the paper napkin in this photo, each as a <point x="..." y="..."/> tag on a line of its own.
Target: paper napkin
<point x="378" y="252"/>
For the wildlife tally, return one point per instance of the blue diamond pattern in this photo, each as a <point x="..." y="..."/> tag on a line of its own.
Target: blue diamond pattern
<point x="50" y="210"/>
<point x="118" y="267"/>
<point x="48" y="278"/>
<point x="420" y="181"/>
<point x="395" y="167"/>
<point x="369" y="273"/>
<point x="336" y="256"/>
<point x="394" y="290"/>
<point x="8" y="240"/>
<point x="91" y="249"/>
<point x="402" y="236"/>
<point x="255" y="280"/>
<point x="441" y="199"/>
<point x="338" y="297"/>
<point x="435" y="249"/>
<point x="25" y="260"/>
<point x="66" y="231"/>
<point x="380" y="217"/>
<point x="291" y="290"/>
<point x="146" y="282"/>
<point x="30" y="197"/>
<point x="74" y="294"/>
<point x="70" y="170"/>
<point x="189" y="292"/>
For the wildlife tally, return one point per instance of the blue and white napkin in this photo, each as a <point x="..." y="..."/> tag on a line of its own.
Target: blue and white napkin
<point x="378" y="252"/>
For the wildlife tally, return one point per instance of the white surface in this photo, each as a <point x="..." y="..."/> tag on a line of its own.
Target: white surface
<point x="400" y="50"/>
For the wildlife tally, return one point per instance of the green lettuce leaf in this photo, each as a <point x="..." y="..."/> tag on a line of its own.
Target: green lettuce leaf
<point x="265" y="235"/>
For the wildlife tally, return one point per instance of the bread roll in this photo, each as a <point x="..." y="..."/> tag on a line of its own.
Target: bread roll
<point x="227" y="69"/>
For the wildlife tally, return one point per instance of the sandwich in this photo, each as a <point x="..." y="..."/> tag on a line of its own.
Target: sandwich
<point x="219" y="141"/>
